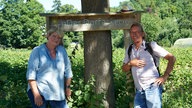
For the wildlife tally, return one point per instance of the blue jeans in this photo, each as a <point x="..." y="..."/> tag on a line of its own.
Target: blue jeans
<point x="149" y="98"/>
<point x="53" y="104"/>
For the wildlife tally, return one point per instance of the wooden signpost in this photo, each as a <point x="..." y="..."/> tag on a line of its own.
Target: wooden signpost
<point x="95" y="61"/>
<point x="93" y="21"/>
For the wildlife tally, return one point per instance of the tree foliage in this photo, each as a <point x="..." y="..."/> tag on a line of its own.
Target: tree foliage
<point x="164" y="21"/>
<point x="69" y="37"/>
<point x="56" y="6"/>
<point x="20" y="23"/>
<point x="68" y="9"/>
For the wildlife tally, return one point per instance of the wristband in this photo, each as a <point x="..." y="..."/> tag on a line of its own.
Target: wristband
<point x="68" y="86"/>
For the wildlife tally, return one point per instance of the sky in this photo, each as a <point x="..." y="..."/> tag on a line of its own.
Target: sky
<point x="76" y="3"/>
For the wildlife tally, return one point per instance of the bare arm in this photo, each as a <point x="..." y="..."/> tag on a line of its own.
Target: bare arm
<point x="171" y="61"/>
<point x="68" y="89"/>
<point x="37" y="97"/>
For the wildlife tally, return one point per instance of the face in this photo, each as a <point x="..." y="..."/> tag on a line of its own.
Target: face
<point x="136" y="34"/>
<point x="54" y="39"/>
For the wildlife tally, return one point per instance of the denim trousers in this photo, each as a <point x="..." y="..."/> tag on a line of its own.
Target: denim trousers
<point x="149" y="98"/>
<point x="46" y="103"/>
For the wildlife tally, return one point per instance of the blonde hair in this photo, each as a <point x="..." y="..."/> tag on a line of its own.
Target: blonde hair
<point x="55" y="30"/>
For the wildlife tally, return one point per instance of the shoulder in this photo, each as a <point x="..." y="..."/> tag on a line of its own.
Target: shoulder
<point x="158" y="50"/>
<point x="40" y="47"/>
<point x="129" y="46"/>
<point x="154" y="44"/>
<point x="128" y="49"/>
<point x="37" y="49"/>
<point x="61" y="48"/>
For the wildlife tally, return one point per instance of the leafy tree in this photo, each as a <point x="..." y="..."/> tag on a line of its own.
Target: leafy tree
<point x="20" y="23"/>
<point x="169" y="20"/>
<point x="56" y="6"/>
<point x="151" y="26"/>
<point x="169" y="32"/>
<point x="70" y="37"/>
<point x="117" y="38"/>
<point x="68" y="9"/>
<point x="185" y="19"/>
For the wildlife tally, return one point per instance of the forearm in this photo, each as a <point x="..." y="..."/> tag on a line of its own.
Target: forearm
<point x="68" y="90"/>
<point x="37" y="97"/>
<point x="171" y="61"/>
<point x="126" y="67"/>
<point x="33" y="86"/>
<point x="68" y="82"/>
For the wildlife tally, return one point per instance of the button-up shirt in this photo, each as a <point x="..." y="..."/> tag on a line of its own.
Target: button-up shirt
<point x="49" y="73"/>
<point x="146" y="75"/>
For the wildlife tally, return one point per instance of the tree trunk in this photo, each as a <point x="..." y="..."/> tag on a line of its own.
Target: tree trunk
<point x="98" y="53"/>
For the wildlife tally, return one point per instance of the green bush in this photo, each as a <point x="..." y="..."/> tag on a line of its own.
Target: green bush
<point x="179" y="85"/>
<point x="12" y="78"/>
<point x="13" y="65"/>
<point x="83" y="94"/>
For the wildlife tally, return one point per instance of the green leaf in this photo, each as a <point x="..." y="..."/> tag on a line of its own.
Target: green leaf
<point x="86" y="97"/>
<point x="3" y="77"/>
<point x="77" y="93"/>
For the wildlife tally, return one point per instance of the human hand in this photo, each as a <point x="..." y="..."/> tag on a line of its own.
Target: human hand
<point x="38" y="99"/>
<point x="137" y="63"/>
<point x="68" y="93"/>
<point x="126" y="67"/>
<point x="161" y="80"/>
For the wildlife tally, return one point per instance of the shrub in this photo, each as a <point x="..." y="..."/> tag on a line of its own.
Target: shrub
<point x="13" y="65"/>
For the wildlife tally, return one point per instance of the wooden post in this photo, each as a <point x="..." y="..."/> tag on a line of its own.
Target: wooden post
<point x="98" y="54"/>
<point x="127" y="38"/>
<point x="97" y="42"/>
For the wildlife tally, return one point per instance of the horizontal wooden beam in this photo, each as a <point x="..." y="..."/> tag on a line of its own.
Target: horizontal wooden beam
<point x="91" y="21"/>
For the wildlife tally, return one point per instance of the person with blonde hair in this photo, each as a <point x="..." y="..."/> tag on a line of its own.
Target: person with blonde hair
<point x="49" y="73"/>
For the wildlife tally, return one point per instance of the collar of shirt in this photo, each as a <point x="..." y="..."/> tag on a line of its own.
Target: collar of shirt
<point x="44" y="45"/>
<point x="48" y="52"/>
<point x="142" y="46"/>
